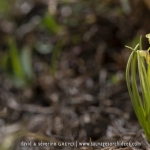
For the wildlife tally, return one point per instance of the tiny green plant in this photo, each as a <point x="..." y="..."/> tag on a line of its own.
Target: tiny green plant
<point x="138" y="71"/>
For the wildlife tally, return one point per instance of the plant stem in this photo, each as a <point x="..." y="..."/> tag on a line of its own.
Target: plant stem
<point x="148" y="73"/>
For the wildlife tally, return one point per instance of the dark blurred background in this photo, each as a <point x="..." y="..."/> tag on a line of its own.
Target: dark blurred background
<point x="62" y="69"/>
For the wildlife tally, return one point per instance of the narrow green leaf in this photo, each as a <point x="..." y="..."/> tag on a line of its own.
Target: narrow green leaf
<point x="136" y="47"/>
<point x="133" y="94"/>
<point x="148" y="73"/>
<point x="136" y="97"/>
<point x="141" y="42"/>
<point x="144" y="79"/>
<point x="50" y="23"/>
<point x="15" y="61"/>
<point x="26" y="62"/>
<point x="129" y="47"/>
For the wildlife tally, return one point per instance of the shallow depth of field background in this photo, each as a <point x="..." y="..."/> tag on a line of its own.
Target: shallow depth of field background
<point x="62" y="69"/>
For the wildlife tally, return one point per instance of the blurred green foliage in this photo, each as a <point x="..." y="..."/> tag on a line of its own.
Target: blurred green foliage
<point x="44" y="28"/>
<point x="50" y="23"/>
<point x="4" y="7"/>
<point x="18" y="64"/>
<point x="56" y="55"/>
